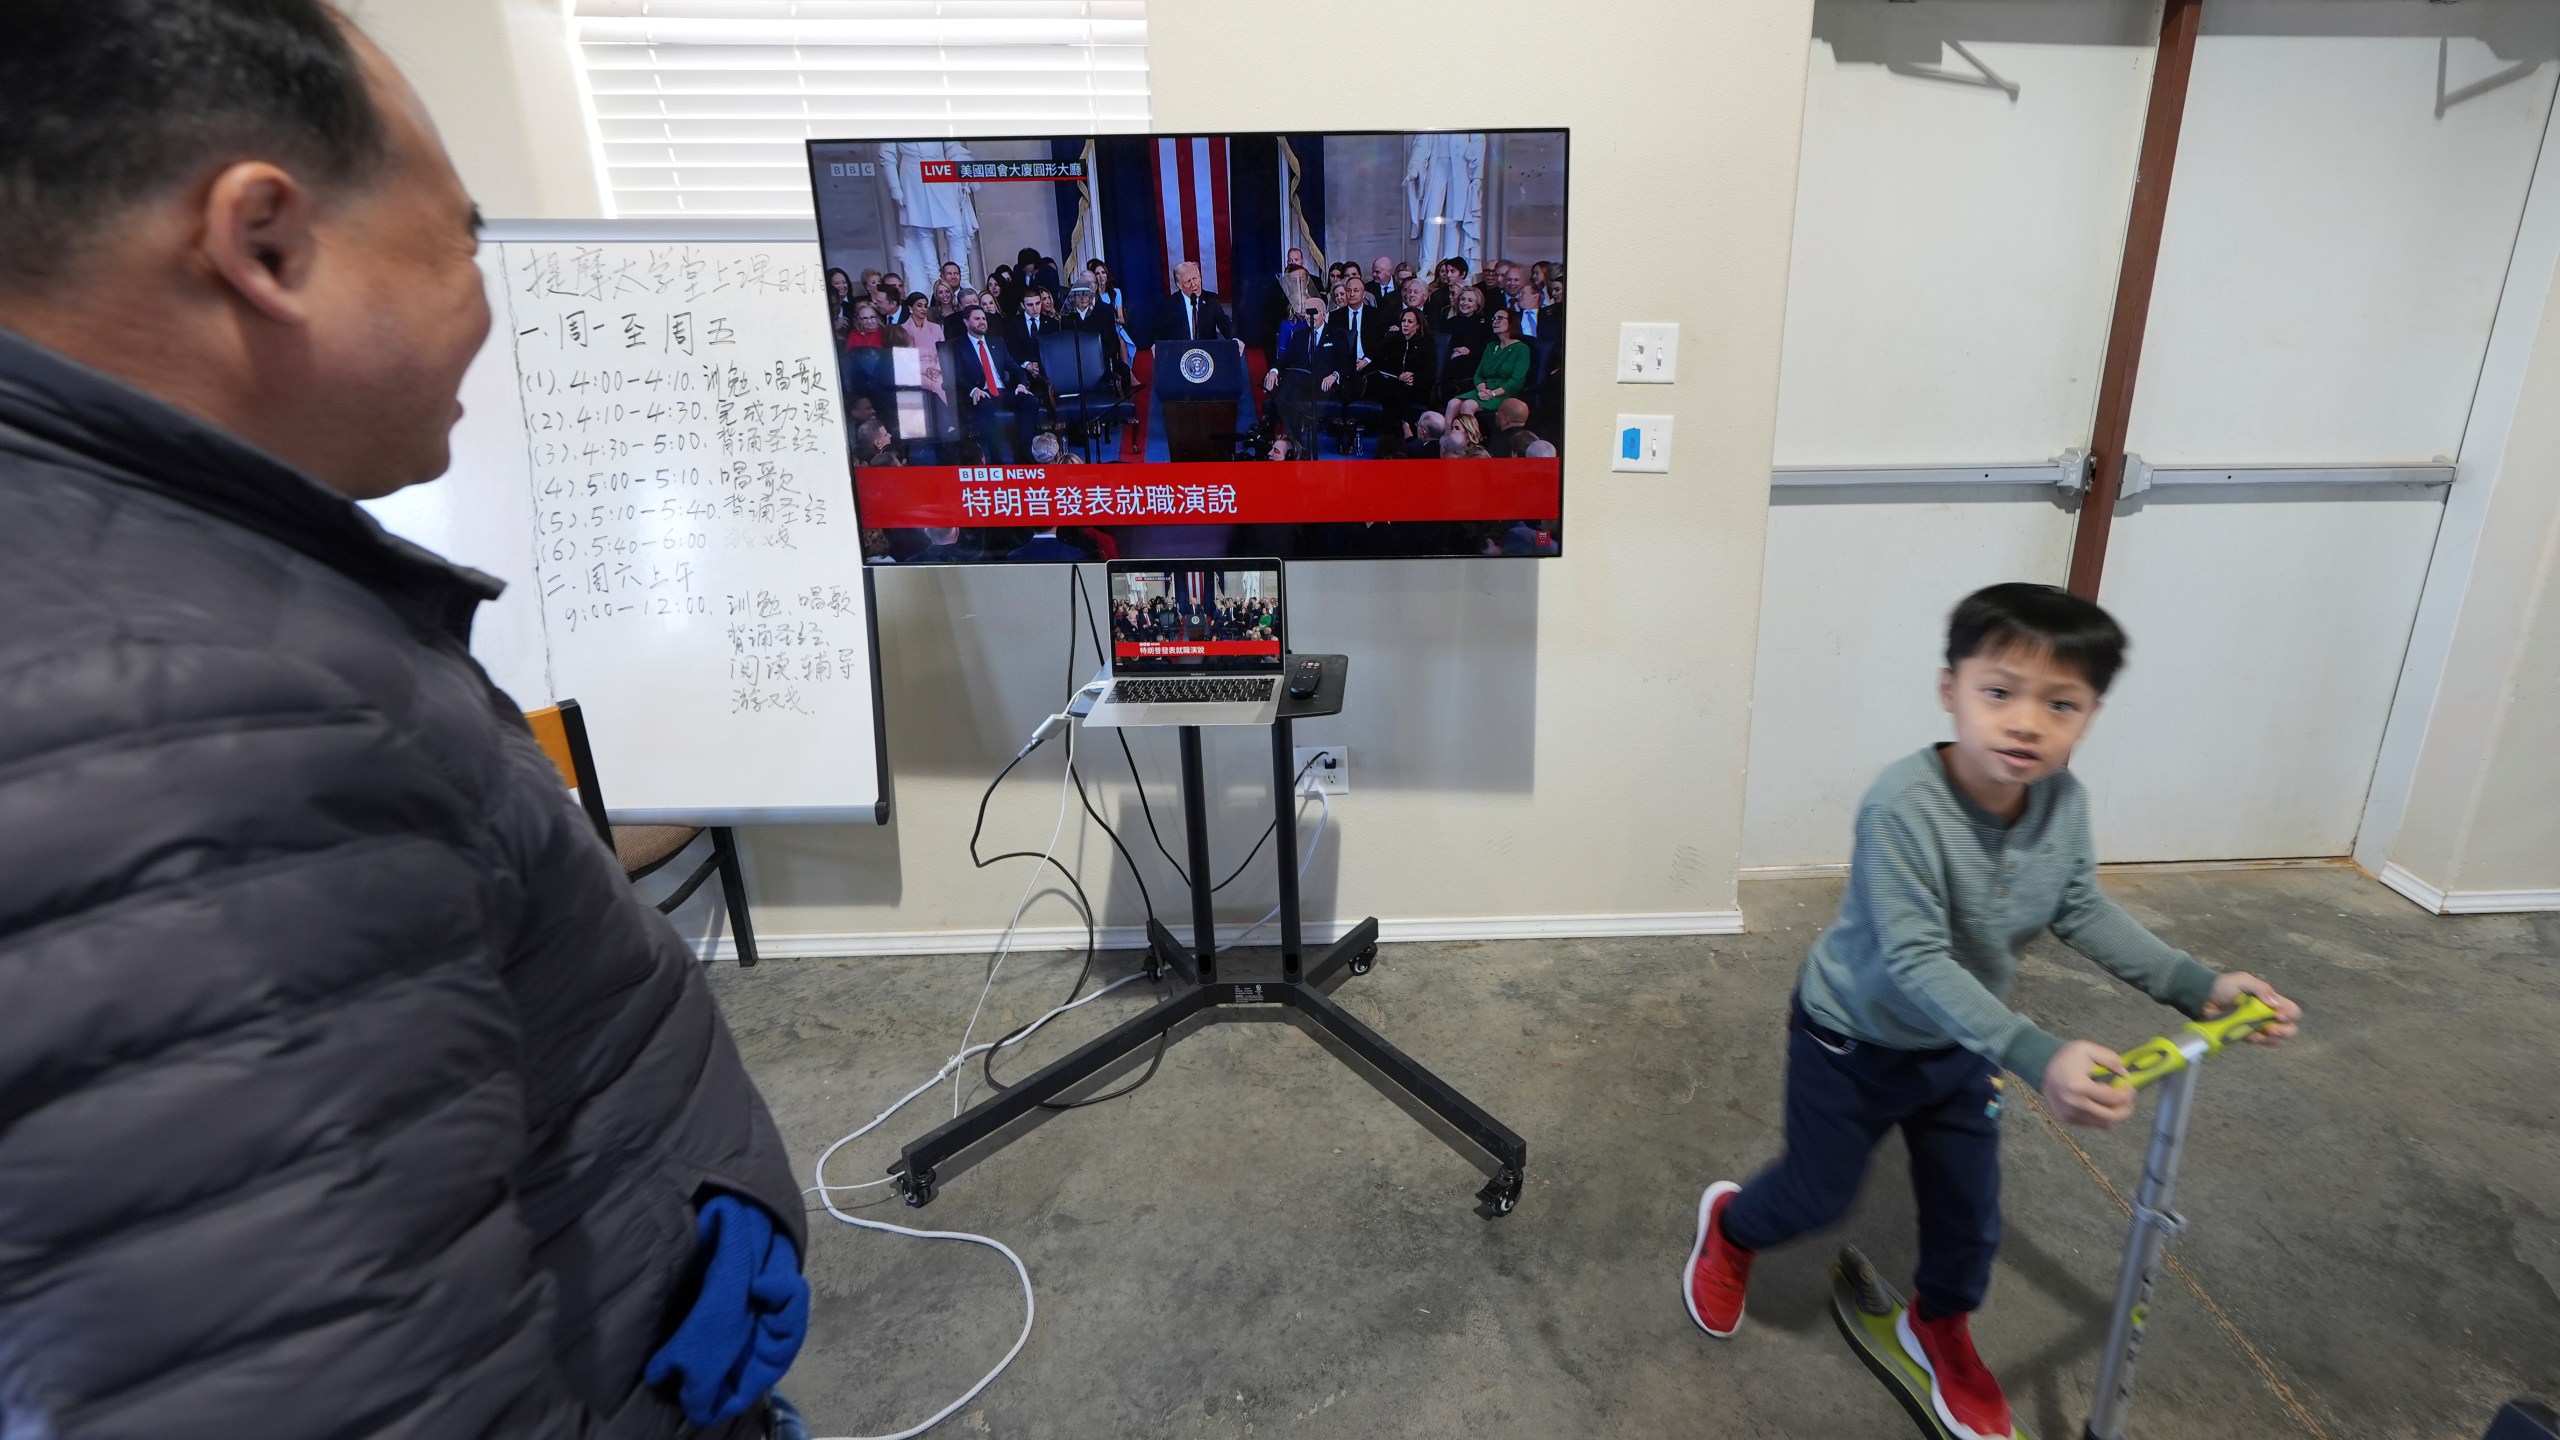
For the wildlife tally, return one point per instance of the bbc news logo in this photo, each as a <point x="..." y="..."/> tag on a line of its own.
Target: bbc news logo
<point x="854" y="170"/>
<point x="997" y="474"/>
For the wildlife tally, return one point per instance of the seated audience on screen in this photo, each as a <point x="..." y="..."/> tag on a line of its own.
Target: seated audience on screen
<point x="839" y="296"/>
<point x="1427" y="428"/>
<point x="1504" y="368"/>
<point x="1402" y="378"/>
<point x="872" y="445"/>
<point x="1382" y="276"/>
<point x="955" y="325"/>
<point x="866" y="327"/>
<point x="989" y="388"/>
<point x="1312" y="366"/>
<point x="1469" y="333"/>
<point x="1358" y="327"/>
<point x="1044" y="546"/>
<point x="1510" y="428"/>
<point x="1088" y="315"/>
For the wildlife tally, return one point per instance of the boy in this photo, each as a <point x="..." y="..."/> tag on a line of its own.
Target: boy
<point x="1964" y="852"/>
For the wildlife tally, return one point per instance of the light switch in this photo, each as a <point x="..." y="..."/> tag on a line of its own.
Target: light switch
<point x="1643" y="444"/>
<point x="1648" y="354"/>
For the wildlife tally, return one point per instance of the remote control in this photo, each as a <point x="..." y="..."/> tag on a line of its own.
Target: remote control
<point x="1304" y="678"/>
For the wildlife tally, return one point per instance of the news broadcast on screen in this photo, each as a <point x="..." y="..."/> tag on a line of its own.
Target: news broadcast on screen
<point x="1312" y="345"/>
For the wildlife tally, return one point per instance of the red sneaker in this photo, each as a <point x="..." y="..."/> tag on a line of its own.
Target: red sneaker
<point x="1965" y="1395"/>
<point x="1718" y="1270"/>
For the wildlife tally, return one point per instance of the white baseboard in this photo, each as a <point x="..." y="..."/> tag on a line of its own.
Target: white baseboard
<point x="2499" y="902"/>
<point x="1131" y="937"/>
<point x="2426" y="896"/>
<point x="2467" y="902"/>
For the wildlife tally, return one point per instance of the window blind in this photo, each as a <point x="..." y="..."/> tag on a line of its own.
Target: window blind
<point x="700" y="107"/>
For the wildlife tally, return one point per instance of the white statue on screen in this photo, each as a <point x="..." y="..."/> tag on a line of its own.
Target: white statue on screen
<point x="1444" y="197"/>
<point x="936" y="221"/>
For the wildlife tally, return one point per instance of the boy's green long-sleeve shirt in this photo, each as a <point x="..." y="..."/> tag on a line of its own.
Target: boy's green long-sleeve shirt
<point x="1941" y="897"/>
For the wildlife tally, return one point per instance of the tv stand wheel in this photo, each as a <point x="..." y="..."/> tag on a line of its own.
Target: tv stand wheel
<point x="1365" y="961"/>
<point x="917" y="1186"/>
<point x="1500" y="1196"/>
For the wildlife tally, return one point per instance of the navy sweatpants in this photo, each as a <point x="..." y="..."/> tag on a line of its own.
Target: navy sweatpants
<point x="1842" y="1096"/>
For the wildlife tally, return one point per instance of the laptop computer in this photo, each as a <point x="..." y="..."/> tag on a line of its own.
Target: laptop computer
<point x="1194" y="642"/>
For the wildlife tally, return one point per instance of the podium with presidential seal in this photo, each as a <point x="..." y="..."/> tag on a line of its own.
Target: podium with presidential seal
<point x="1199" y="385"/>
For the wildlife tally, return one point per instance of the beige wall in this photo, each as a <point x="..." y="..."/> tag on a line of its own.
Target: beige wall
<point x="1537" y="746"/>
<point x="497" y="75"/>
<point x="2483" y="812"/>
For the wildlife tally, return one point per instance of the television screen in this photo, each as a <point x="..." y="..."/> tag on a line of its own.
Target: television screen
<point x="1308" y="345"/>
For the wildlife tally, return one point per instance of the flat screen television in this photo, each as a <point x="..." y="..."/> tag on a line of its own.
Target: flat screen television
<point x="1096" y="347"/>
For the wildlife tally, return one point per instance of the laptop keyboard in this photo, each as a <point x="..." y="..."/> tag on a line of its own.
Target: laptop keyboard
<point x="1195" y="689"/>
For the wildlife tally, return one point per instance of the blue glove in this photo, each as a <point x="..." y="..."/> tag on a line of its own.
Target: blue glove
<point x="746" y="1326"/>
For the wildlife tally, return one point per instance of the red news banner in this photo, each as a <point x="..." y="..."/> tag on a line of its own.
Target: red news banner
<point x="1279" y="492"/>
<point x="1161" y="649"/>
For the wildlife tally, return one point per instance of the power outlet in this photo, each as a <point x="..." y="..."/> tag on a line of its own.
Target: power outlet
<point x="1332" y="774"/>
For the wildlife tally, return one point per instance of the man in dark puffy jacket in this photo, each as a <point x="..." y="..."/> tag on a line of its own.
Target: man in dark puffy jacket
<point x="346" y="1089"/>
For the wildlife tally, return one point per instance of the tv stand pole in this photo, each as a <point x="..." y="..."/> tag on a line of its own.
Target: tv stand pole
<point x="1200" y="991"/>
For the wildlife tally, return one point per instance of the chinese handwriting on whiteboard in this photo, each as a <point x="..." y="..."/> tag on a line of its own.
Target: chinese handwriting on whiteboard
<point x="665" y="455"/>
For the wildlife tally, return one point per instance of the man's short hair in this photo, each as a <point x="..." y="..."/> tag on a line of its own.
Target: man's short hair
<point x="968" y="310"/>
<point x="1044" y="441"/>
<point x="2022" y="615"/>
<point x="104" y="103"/>
<point x="1430" y="423"/>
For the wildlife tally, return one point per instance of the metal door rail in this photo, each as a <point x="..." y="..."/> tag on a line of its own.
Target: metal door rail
<point x="2069" y="470"/>
<point x="2141" y="475"/>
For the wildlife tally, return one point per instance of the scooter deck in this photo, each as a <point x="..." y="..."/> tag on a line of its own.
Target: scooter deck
<point x="1867" y="1310"/>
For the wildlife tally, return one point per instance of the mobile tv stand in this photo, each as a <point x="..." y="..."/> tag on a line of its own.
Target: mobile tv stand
<point x="1201" y="991"/>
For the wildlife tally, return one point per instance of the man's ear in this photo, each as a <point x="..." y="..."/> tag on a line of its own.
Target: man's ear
<point x="258" y="236"/>
<point x="1947" y="689"/>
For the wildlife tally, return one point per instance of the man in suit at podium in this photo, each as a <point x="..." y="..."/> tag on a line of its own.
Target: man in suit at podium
<point x="1309" y="376"/>
<point x="1197" y="315"/>
<point x="987" y="386"/>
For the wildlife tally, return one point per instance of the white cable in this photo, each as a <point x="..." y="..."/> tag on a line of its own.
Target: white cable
<point x="1005" y="943"/>
<point x="1023" y="1272"/>
<point x="1313" y="841"/>
<point x="947" y="1411"/>
<point x="822" y="1188"/>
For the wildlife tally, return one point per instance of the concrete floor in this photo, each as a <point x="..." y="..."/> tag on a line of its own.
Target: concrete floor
<point x="1259" y="1243"/>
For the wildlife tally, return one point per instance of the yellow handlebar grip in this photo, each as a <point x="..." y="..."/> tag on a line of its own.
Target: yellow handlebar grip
<point x="2245" y="1018"/>
<point x="2154" y="1058"/>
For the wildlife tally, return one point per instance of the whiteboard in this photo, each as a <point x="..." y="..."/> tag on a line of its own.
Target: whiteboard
<point x="651" y="455"/>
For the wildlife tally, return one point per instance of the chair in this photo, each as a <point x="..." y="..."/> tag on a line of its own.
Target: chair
<point x="1080" y="380"/>
<point x="561" y="730"/>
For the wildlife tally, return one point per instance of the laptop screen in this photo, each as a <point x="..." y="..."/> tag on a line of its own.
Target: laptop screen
<point x="1186" y="618"/>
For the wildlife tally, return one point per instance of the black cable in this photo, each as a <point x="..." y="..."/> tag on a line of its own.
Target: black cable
<point x="1093" y="628"/>
<point x="987" y="1059"/>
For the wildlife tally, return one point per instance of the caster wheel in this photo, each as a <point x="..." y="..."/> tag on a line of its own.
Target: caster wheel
<point x="1500" y="1196"/>
<point x="1365" y="961"/>
<point x="917" y="1187"/>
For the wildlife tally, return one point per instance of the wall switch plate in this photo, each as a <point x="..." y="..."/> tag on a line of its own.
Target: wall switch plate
<point x="1643" y="445"/>
<point x="1333" y="778"/>
<point x="1648" y="354"/>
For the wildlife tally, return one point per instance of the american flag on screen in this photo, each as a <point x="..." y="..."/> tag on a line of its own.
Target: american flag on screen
<point x="1191" y="205"/>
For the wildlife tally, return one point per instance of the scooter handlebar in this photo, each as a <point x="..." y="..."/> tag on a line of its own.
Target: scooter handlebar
<point x="2154" y="1058"/>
